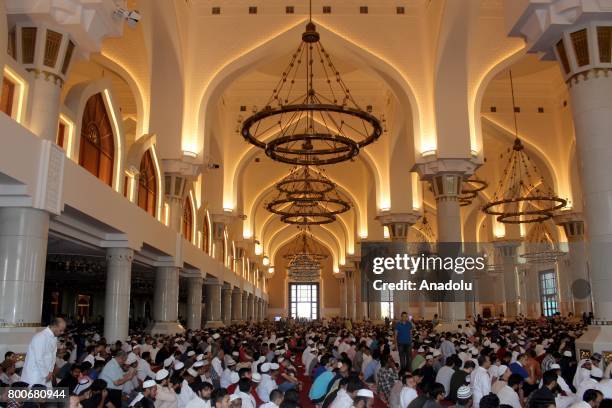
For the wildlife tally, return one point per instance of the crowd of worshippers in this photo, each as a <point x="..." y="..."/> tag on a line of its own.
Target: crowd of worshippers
<point x="329" y="363"/>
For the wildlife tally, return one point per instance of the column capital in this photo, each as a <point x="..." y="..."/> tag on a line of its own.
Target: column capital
<point x="89" y="23"/>
<point x="506" y="247"/>
<point x="566" y="31"/>
<point x="212" y="282"/>
<point x="119" y="255"/>
<point x="398" y="224"/>
<point x="430" y="166"/>
<point x="572" y="223"/>
<point x="237" y="290"/>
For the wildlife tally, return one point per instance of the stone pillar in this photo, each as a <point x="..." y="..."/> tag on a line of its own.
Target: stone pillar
<point x="226" y="304"/>
<point x="506" y="251"/>
<point x="577" y="287"/>
<point x="581" y="45"/>
<point x="23" y="254"/>
<point x="213" y="304"/>
<point x="445" y="177"/>
<point x="398" y="225"/>
<point x="350" y="294"/>
<point x="343" y="304"/>
<point x="245" y="306"/>
<point x="165" y="301"/>
<point x="194" y="302"/>
<point x="118" y="286"/>
<point x="236" y="306"/>
<point x="250" y="307"/>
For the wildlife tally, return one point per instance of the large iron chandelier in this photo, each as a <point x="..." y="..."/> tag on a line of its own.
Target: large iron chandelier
<point x="522" y="196"/>
<point x="304" y="258"/>
<point x="307" y="125"/>
<point x="541" y="246"/>
<point x="307" y="197"/>
<point x="470" y="189"/>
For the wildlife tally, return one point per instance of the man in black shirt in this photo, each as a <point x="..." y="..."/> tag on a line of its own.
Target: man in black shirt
<point x="459" y="378"/>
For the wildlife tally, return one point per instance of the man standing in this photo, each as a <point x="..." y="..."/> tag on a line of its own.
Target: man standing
<point x="481" y="381"/>
<point x="40" y="359"/>
<point x="403" y="340"/>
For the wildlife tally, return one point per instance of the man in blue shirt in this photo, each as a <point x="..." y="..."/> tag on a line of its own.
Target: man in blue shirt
<point x="403" y="340"/>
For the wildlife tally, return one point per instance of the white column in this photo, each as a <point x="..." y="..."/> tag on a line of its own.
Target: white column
<point x="23" y="253"/>
<point x="506" y="250"/>
<point x="117" y="300"/>
<point x="194" y="302"/>
<point x="245" y="306"/>
<point x="577" y="285"/>
<point x="343" y="305"/>
<point x="350" y="294"/>
<point x="448" y="214"/>
<point x="236" y="305"/>
<point x="165" y="301"/>
<point x="226" y="304"/>
<point x="213" y="304"/>
<point x="250" y="307"/>
<point x="3" y="37"/>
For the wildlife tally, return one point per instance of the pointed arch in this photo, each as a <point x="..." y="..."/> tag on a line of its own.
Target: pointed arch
<point x="147" y="184"/>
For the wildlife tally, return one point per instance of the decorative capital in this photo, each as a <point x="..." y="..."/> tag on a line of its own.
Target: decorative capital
<point x="398" y="223"/>
<point x="572" y="223"/>
<point x="431" y="166"/>
<point x="505" y="247"/>
<point x="88" y="23"/>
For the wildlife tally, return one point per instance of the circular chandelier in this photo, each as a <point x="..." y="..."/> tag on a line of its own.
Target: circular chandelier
<point x="307" y="125"/>
<point x="304" y="258"/>
<point x="307" y="197"/>
<point x="541" y="246"/>
<point x="522" y="195"/>
<point x="470" y="189"/>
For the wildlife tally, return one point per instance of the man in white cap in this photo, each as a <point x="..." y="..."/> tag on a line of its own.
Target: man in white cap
<point x="590" y="383"/>
<point x="364" y="398"/>
<point x="217" y="367"/>
<point x="268" y="382"/>
<point x="202" y="396"/>
<point x="464" y="397"/>
<point x="149" y="392"/>
<point x="40" y="358"/>
<point x="143" y="371"/>
<point x="166" y="397"/>
<point x="409" y="392"/>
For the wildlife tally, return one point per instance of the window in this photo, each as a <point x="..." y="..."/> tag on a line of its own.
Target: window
<point x="386" y="304"/>
<point x="304" y="300"/>
<point x="289" y="10"/>
<point x="548" y="292"/>
<point x="187" y="223"/>
<point x="363" y="9"/>
<point x="7" y="96"/>
<point x="61" y="134"/>
<point x="216" y="10"/>
<point x="147" y="184"/>
<point x="326" y="9"/>
<point x="97" y="149"/>
<point x="253" y="10"/>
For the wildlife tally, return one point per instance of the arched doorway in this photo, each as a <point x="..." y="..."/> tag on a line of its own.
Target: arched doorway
<point x="97" y="149"/>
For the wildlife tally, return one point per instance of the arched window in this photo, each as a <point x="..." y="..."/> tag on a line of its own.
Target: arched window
<point x="205" y="234"/>
<point x="187" y="223"/>
<point x="97" y="150"/>
<point x="147" y="184"/>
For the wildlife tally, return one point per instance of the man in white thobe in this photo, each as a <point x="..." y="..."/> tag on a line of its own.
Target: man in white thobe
<point x="40" y="358"/>
<point x="481" y="380"/>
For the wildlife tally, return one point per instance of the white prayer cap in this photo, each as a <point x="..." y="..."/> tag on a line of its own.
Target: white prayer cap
<point x="198" y="364"/>
<point x="199" y="357"/>
<point x="274" y="366"/>
<point x="216" y="336"/>
<point x="567" y="353"/>
<point x="281" y="359"/>
<point x="501" y="370"/>
<point x="555" y="366"/>
<point x="256" y="377"/>
<point x="235" y="354"/>
<point x="234" y="397"/>
<point x="136" y="399"/>
<point x="261" y="359"/>
<point x="464" y="392"/>
<point x="190" y="353"/>
<point x="135" y="346"/>
<point x="131" y="359"/>
<point x="265" y="367"/>
<point x="364" y="392"/>
<point x="168" y="361"/>
<point x="148" y="384"/>
<point x="231" y="362"/>
<point x="192" y="372"/>
<point x="161" y="374"/>
<point x="596" y="372"/>
<point x="428" y="357"/>
<point x="179" y="365"/>
<point x="437" y="353"/>
<point x="421" y="350"/>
